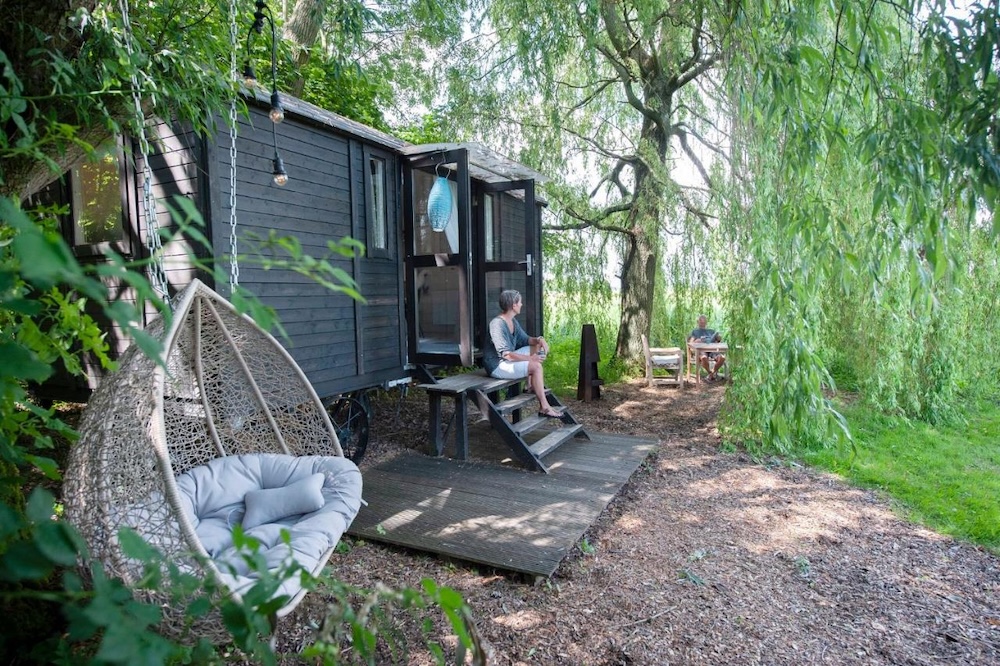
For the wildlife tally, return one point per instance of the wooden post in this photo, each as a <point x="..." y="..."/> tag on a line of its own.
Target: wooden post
<point x="589" y="384"/>
<point x="461" y="427"/>
<point x="436" y="437"/>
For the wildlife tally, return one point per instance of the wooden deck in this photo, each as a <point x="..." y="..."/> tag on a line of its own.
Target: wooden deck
<point x="497" y="515"/>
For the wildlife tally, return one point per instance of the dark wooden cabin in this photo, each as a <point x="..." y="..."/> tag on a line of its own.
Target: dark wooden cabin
<point x="429" y="295"/>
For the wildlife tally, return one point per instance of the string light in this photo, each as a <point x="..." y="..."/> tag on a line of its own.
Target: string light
<point x="280" y="175"/>
<point x="261" y="14"/>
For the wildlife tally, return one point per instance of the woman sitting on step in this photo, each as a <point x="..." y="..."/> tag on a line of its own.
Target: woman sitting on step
<point x="507" y="352"/>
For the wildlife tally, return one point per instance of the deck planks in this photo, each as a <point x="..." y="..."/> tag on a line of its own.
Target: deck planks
<point x="497" y="515"/>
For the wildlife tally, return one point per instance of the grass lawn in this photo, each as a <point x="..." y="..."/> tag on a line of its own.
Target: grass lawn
<point x="947" y="477"/>
<point x="562" y="367"/>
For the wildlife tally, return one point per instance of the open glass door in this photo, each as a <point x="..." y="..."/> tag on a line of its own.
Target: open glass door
<point x="439" y="309"/>
<point x="511" y="251"/>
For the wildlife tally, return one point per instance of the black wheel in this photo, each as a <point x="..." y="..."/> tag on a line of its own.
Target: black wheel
<point x="350" y="421"/>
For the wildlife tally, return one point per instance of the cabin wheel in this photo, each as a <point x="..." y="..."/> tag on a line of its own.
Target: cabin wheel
<point x="350" y="420"/>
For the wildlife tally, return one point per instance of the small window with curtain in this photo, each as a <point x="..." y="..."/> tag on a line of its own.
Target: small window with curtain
<point x="378" y="209"/>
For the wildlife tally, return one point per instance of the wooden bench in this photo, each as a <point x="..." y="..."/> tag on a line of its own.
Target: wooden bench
<point x="459" y="387"/>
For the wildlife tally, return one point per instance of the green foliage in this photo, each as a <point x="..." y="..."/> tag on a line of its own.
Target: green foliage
<point x="76" y="97"/>
<point x="104" y="622"/>
<point x="43" y="291"/>
<point x="565" y="314"/>
<point x="428" y="130"/>
<point x="360" y="618"/>
<point x="947" y="477"/>
<point x="803" y="566"/>
<point x="690" y="577"/>
<point x="388" y="56"/>
<point x="348" y="90"/>
<point x="861" y="215"/>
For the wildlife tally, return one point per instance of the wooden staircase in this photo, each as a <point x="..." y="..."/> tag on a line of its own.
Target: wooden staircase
<point x="506" y="418"/>
<point x="502" y="401"/>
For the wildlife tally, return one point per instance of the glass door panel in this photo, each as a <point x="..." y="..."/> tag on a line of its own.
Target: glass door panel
<point x="437" y="310"/>
<point x="512" y="251"/>
<point x="439" y="262"/>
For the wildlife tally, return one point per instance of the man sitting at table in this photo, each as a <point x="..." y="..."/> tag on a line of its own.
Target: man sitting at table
<point x="711" y="361"/>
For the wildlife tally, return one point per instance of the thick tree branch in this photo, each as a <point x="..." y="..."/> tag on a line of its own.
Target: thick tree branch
<point x="624" y="39"/>
<point x="699" y="69"/>
<point x="614" y="178"/>
<point x="600" y="149"/>
<point x="682" y="128"/>
<point x="627" y="49"/>
<point x="593" y="223"/>
<point x="696" y="33"/>
<point x="589" y="98"/>
<point x="625" y="76"/>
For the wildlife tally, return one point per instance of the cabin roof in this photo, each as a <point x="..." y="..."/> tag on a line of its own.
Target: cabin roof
<point x="335" y="121"/>
<point x="484" y="164"/>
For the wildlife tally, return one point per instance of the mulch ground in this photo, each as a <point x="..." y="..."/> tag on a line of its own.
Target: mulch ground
<point x="705" y="557"/>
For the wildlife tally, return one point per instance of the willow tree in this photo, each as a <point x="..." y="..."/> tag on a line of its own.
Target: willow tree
<point x="618" y="89"/>
<point x="865" y="144"/>
<point x="852" y="142"/>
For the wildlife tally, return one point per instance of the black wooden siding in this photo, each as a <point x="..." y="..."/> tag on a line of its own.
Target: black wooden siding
<point x="340" y="344"/>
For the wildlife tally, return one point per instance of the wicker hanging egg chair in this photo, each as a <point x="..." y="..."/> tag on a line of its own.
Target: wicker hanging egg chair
<point x="226" y="391"/>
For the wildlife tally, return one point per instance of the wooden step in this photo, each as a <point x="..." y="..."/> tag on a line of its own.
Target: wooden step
<point x="554" y="439"/>
<point x="515" y="403"/>
<point x="529" y="424"/>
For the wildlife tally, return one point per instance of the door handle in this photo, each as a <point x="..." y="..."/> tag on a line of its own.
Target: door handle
<point x="528" y="264"/>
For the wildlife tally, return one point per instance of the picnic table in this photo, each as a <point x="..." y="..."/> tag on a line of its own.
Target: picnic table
<point x="459" y="387"/>
<point x="696" y="349"/>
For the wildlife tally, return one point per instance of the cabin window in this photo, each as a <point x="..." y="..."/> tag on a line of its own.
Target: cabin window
<point x="92" y="194"/>
<point x="378" y="218"/>
<point x="491" y="253"/>
<point x="96" y="191"/>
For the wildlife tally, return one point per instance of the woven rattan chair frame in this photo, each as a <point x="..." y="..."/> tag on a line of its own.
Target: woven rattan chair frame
<point x="224" y="386"/>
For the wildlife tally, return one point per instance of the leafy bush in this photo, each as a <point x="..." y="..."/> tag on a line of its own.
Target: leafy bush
<point x="104" y="622"/>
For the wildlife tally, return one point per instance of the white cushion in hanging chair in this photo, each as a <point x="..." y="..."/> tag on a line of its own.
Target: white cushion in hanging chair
<point x="224" y="387"/>
<point x="314" y="498"/>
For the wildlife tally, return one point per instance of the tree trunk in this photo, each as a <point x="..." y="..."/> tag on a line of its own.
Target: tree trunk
<point x="25" y="27"/>
<point x="25" y="176"/>
<point x="303" y="29"/>
<point x="642" y="256"/>
<point x="638" y="281"/>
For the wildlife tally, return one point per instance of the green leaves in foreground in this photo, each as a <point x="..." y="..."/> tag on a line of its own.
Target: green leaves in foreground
<point x="106" y="623"/>
<point x="359" y="618"/>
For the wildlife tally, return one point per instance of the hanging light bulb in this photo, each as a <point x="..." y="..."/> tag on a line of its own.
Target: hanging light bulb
<point x="249" y="77"/>
<point x="277" y="111"/>
<point x="280" y="175"/>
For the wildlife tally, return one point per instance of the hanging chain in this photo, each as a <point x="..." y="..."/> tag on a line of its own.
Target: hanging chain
<point x="157" y="273"/>
<point x="234" y="266"/>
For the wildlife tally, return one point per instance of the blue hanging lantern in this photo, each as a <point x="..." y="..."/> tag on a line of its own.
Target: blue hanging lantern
<point x="439" y="204"/>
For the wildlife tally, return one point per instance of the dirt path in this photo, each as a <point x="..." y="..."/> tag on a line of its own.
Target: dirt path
<point x="708" y="558"/>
